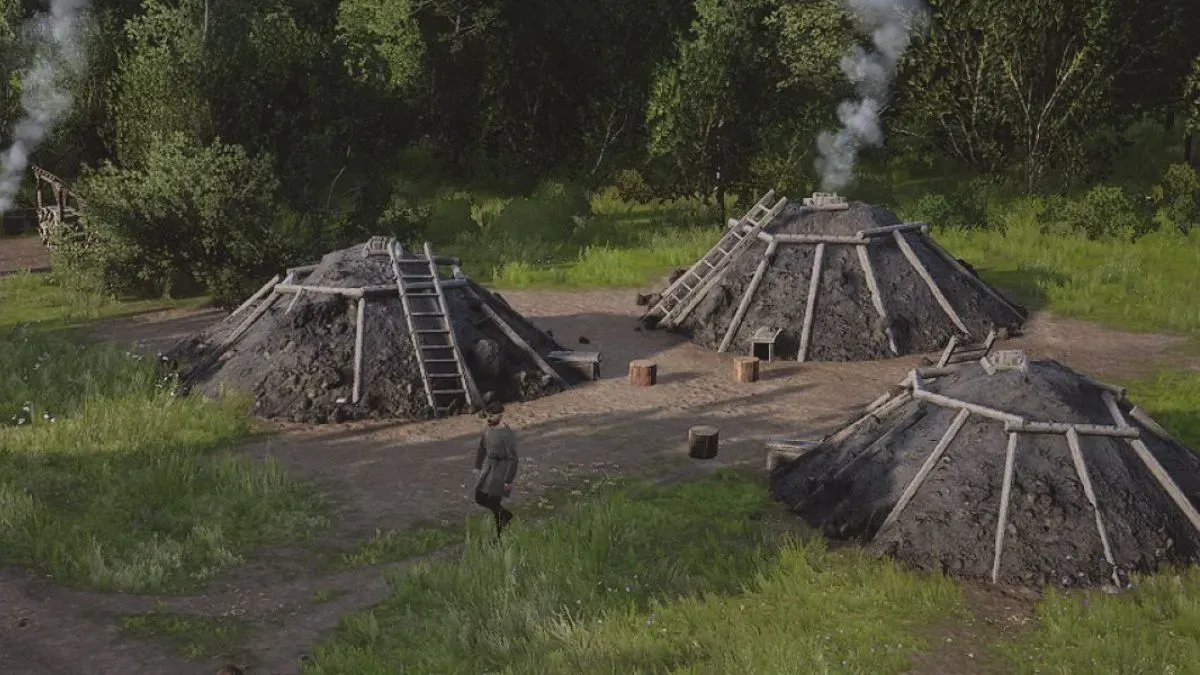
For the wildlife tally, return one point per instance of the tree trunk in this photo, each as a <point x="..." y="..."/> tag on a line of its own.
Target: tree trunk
<point x="745" y="369"/>
<point x="702" y="442"/>
<point x="643" y="373"/>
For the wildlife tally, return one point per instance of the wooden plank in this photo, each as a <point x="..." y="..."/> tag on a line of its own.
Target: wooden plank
<point x="358" y="347"/>
<point x="368" y="290"/>
<point x="810" y="304"/>
<point x="1090" y="493"/>
<point x="746" y="298"/>
<point x="909" y="492"/>
<point x="1005" y="495"/>
<point x="913" y="260"/>
<point x="864" y="262"/>
<point x="980" y="283"/>
<point x="1156" y="469"/>
<point x="702" y="291"/>
<point x="520" y="342"/>
<point x="982" y="411"/>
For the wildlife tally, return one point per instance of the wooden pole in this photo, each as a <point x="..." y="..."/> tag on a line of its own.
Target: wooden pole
<point x="358" y="348"/>
<point x="643" y="373"/>
<point x="938" y="450"/>
<point x="864" y="261"/>
<point x="519" y="342"/>
<point x="1090" y="493"/>
<point x="1063" y="428"/>
<point x="980" y="283"/>
<point x="817" y="239"/>
<point x="810" y="305"/>
<point x="266" y="288"/>
<point x="1153" y="466"/>
<point x="366" y="290"/>
<point x="1010" y="457"/>
<point x="701" y="292"/>
<point x="745" y="369"/>
<point x="747" y="297"/>
<point x="702" y="442"/>
<point x="913" y="260"/>
<point x="887" y="229"/>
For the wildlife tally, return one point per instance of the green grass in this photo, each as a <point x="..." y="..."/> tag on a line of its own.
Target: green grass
<point x="1152" y="630"/>
<point x="195" y="638"/>
<point x="644" y="579"/>
<point x="1148" y="284"/>
<point x="397" y="545"/>
<point x="110" y="481"/>
<point x="41" y="298"/>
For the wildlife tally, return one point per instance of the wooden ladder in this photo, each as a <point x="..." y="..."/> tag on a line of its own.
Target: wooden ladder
<point x="681" y="297"/>
<point x="447" y="380"/>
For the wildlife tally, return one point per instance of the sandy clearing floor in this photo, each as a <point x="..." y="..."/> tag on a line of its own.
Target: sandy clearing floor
<point x="388" y="475"/>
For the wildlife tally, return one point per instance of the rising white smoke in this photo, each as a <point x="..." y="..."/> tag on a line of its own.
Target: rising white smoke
<point x="891" y="24"/>
<point x="56" y="40"/>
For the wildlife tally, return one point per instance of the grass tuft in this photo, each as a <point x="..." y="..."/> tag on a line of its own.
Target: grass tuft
<point x="196" y="638"/>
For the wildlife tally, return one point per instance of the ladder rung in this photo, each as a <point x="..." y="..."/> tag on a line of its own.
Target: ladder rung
<point x="416" y="277"/>
<point x="441" y="360"/>
<point x="420" y="294"/>
<point x="426" y="314"/>
<point x="430" y="330"/>
<point x="448" y="391"/>
<point x="445" y="376"/>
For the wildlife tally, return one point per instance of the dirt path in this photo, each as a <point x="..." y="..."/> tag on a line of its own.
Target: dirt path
<point x="23" y="253"/>
<point x="399" y="475"/>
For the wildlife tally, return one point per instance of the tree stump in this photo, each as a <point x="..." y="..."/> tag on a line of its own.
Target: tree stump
<point x="702" y="442"/>
<point x="745" y="369"/>
<point x="643" y="373"/>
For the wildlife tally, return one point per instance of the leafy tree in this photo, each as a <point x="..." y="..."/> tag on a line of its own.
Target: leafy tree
<point x="160" y="81"/>
<point x="382" y="40"/>
<point x="191" y="214"/>
<point x="1191" y="107"/>
<point x="10" y="91"/>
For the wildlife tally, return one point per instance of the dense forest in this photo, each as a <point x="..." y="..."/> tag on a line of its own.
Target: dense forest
<point x="214" y="139"/>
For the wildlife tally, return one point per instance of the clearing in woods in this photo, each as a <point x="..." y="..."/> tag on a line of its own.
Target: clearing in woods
<point x="397" y="476"/>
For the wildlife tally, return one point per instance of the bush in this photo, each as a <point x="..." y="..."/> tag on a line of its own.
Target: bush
<point x="194" y="215"/>
<point x="1177" y="199"/>
<point x="631" y="186"/>
<point x="1103" y="211"/>
<point x="959" y="211"/>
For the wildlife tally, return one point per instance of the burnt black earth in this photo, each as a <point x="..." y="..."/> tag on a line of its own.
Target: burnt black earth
<point x="848" y="489"/>
<point x="299" y="364"/>
<point x="846" y="326"/>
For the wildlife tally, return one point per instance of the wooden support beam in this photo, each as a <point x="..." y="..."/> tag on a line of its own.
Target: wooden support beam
<point x="520" y="342"/>
<point x="888" y="229"/>
<point x="864" y="261"/>
<point x="295" y="299"/>
<point x="747" y="297"/>
<point x="1090" y="493"/>
<point x="1152" y="464"/>
<point x="249" y="321"/>
<point x="701" y="292"/>
<point x="266" y="288"/>
<point x="817" y="239"/>
<point x="946" y="402"/>
<point x="1064" y="428"/>
<point x="980" y="283"/>
<point x="366" y="290"/>
<point x="358" y="348"/>
<point x="938" y="450"/>
<point x="913" y="260"/>
<point x="810" y="304"/>
<point x="1010" y="457"/>
<point x="950" y="345"/>
<point x="1154" y="427"/>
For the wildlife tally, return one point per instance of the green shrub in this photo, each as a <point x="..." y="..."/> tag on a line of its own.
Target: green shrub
<point x="631" y="186"/>
<point x="1177" y="198"/>
<point x="1103" y="211"/>
<point x="194" y="215"/>
<point x="960" y="210"/>
<point x="449" y="218"/>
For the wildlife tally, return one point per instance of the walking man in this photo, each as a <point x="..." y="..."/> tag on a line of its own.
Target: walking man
<point x="496" y="461"/>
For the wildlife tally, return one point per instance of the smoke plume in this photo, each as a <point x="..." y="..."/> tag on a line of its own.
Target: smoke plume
<point x="55" y="39"/>
<point x="890" y="23"/>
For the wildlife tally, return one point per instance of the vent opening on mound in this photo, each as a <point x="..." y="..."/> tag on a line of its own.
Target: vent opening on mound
<point x="1033" y="474"/>
<point x="842" y="281"/>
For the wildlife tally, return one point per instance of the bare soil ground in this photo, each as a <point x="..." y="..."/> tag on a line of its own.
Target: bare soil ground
<point x="23" y="253"/>
<point x="383" y="475"/>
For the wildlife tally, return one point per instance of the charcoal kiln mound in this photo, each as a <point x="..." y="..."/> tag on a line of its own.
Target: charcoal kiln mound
<point x="1014" y="471"/>
<point x="374" y="331"/>
<point x="829" y="280"/>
